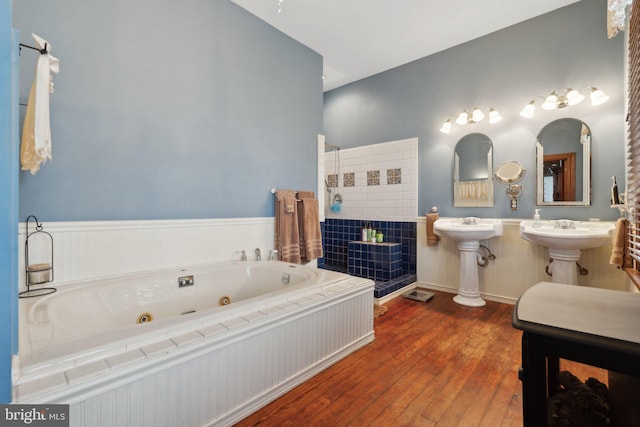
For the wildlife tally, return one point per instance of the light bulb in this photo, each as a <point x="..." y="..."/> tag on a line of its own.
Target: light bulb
<point x="463" y="118"/>
<point x="574" y="97"/>
<point x="446" y="127"/>
<point x="477" y="115"/>
<point x="598" y="97"/>
<point x="528" y="110"/>
<point x="551" y="102"/>
<point x="494" y="116"/>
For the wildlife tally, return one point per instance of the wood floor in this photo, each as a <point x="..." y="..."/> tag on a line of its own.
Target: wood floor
<point x="431" y="364"/>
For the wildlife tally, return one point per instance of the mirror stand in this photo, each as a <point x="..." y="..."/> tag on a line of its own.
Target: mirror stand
<point x="513" y="192"/>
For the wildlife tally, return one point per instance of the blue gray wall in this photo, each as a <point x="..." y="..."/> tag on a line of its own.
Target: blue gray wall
<point x="190" y="109"/>
<point x="505" y="70"/>
<point x="169" y="110"/>
<point x="9" y="197"/>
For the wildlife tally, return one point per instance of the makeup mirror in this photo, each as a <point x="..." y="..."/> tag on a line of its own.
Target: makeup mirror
<point x="511" y="172"/>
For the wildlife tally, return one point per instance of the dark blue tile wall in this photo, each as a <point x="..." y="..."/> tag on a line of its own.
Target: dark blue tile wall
<point x="321" y="261"/>
<point x="377" y="261"/>
<point x="337" y="233"/>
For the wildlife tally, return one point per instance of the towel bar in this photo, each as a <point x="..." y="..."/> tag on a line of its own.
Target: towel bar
<point x="274" y="191"/>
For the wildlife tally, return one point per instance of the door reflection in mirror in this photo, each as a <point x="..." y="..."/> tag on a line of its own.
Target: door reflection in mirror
<point x="564" y="164"/>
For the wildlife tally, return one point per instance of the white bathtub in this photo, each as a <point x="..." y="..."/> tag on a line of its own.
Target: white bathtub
<point x="281" y="324"/>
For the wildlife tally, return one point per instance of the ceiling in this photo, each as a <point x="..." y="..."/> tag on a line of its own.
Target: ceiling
<point x="359" y="38"/>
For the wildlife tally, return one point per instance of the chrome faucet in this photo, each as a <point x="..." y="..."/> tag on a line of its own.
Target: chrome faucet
<point x="243" y="256"/>
<point x="469" y="220"/>
<point x="273" y="255"/>
<point x="258" y="255"/>
<point x="564" y="224"/>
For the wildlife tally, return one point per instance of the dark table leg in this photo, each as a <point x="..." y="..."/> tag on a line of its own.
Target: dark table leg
<point x="534" y="382"/>
<point x="553" y="369"/>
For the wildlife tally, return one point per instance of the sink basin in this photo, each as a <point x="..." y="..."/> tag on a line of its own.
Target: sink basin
<point x="585" y="235"/>
<point x="471" y="230"/>
<point x="565" y="244"/>
<point x="467" y="233"/>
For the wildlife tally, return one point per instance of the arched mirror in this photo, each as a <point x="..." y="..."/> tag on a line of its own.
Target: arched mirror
<point x="563" y="164"/>
<point x="472" y="171"/>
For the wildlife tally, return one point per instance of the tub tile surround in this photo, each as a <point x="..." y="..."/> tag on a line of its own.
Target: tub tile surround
<point x="127" y="357"/>
<point x="160" y="347"/>
<point x="127" y="363"/>
<point x="215" y="329"/>
<point x="43" y="385"/>
<point x="518" y="265"/>
<point x="86" y="371"/>
<point x="186" y="339"/>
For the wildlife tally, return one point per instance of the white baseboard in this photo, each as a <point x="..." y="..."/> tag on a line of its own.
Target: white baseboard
<point x="496" y="298"/>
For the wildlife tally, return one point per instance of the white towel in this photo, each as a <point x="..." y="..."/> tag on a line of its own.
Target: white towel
<point x="36" y="130"/>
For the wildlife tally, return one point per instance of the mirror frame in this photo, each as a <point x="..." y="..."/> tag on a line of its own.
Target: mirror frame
<point x="586" y="170"/>
<point x="476" y="203"/>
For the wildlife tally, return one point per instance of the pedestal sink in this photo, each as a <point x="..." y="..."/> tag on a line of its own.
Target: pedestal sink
<point x="468" y="232"/>
<point x="565" y="240"/>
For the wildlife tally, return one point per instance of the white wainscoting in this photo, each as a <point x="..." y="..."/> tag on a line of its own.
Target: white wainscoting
<point x="97" y="249"/>
<point x="518" y="265"/>
<point x="87" y="250"/>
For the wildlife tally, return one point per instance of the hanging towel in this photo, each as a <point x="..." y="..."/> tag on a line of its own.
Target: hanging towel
<point x="432" y="237"/>
<point x="287" y="233"/>
<point x="309" y="223"/>
<point x="620" y="256"/>
<point x="36" y="130"/>
<point x="306" y="194"/>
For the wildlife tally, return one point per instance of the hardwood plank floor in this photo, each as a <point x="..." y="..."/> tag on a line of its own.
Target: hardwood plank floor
<point x="431" y="364"/>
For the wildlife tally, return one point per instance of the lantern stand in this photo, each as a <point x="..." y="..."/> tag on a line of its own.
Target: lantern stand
<point x="37" y="274"/>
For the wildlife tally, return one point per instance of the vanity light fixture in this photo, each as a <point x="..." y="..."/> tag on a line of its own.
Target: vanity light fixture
<point x="475" y="116"/>
<point x="598" y="97"/>
<point x="446" y="127"/>
<point x="463" y="118"/>
<point x="494" y="116"/>
<point x="570" y="97"/>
